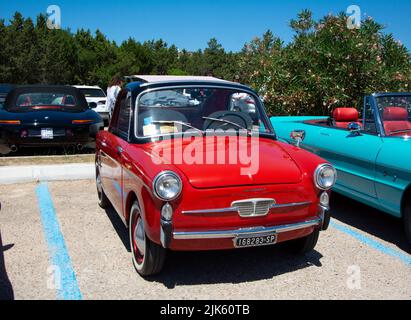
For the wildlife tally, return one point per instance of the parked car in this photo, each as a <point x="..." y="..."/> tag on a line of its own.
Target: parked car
<point x="4" y="91"/>
<point x="205" y="205"/>
<point x="97" y="100"/>
<point x="371" y="154"/>
<point x="37" y="116"/>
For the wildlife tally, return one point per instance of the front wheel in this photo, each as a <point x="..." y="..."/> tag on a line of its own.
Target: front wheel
<point x="407" y="222"/>
<point x="148" y="257"/>
<point x="304" y="245"/>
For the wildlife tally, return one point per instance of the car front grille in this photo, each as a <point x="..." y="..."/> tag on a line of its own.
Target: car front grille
<point x="253" y="207"/>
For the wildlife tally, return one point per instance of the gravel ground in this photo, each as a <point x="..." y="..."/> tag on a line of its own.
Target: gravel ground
<point x="97" y="243"/>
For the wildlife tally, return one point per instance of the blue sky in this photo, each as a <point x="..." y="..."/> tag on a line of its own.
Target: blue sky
<point x="190" y="24"/>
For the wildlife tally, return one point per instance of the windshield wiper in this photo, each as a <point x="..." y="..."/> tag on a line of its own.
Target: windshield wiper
<point x="180" y="123"/>
<point x="228" y="122"/>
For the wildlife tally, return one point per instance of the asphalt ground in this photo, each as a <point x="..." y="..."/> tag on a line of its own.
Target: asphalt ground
<point x="56" y="243"/>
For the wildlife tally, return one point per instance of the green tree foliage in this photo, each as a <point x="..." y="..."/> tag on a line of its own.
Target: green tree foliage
<point x="324" y="66"/>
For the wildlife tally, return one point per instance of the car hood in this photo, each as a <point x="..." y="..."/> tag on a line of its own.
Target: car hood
<point x="266" y="163"/>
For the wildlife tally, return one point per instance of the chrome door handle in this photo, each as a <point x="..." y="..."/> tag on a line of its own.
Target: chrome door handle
<point x="104" y="144"/>
<point x="120" y="150"/>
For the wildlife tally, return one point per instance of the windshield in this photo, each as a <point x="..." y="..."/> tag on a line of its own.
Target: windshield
<point x="169" y="111"/>
<point x="30" y="101"/>
<point x="395" y="113"/>
<point x="93" y="93"/>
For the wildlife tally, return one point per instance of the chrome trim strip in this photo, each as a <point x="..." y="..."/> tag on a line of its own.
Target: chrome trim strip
<point x="259" y="231"/>
<point x="210" y="211"/>
<point x="234" y="209"/>
<point x="287" y="205"/>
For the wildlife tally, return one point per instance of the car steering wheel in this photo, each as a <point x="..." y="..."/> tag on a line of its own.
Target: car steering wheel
<point x="240" y="118"/>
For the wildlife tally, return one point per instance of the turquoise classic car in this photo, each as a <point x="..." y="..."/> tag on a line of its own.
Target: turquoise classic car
<point x="372" y="153"/>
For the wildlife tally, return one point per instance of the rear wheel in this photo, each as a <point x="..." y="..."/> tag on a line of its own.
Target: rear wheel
<point x="148" y="257"/>
<point x="407" y="222"/>
<point x="304" y="245"/>
<point x="103" y="201"/>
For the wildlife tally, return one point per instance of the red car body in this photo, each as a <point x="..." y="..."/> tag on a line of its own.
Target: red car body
<point x="203" y="214"/>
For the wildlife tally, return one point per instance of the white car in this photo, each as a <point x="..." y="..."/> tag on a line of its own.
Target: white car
<point x="97" y="95"/>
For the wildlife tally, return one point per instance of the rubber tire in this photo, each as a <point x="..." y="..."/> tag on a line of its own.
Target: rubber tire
<point x="407" y="222"/>
<point x="103" y="201"/>
<point x="303" y="245"/>
<point x="155" y="255"/>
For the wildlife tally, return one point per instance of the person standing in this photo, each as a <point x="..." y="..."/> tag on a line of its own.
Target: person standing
<point x="113" y="90"/>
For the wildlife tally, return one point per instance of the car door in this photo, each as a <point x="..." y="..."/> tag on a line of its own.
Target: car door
<point x="353" y="155"/>
<point x="393" y="174"/>
<point x="113" y="143"/>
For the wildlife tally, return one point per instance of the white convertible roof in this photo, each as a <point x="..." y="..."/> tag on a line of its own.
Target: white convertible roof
<point x="154" y="79"/>
<point x="86" y="87"/>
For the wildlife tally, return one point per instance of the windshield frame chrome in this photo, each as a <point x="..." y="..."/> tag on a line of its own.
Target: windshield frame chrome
<point x="222" y="86"/>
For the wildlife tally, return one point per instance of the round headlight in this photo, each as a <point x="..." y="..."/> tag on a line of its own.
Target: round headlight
<point x="167" y="186"/>
<point x="325" y="177"/>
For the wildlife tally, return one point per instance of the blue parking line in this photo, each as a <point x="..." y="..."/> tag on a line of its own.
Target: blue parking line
<point x="372" y="243"/>
<point x="69" y="289"/>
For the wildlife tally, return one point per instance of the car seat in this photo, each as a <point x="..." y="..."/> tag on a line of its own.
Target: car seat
<point x="344" y="116"/>
<point x="396" y="119"/>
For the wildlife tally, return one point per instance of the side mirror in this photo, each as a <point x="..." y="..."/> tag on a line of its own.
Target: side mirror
<point x="92" y="105"/>
<point x="298" y="136"/>
<point x="354" y="128"/>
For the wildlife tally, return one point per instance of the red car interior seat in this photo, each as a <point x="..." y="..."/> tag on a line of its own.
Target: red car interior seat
<point x="344" y="116"/>
<point x="396" y="119"/>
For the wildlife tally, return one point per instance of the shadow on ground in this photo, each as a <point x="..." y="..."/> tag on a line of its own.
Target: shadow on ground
<point x="6" y="289"/>
<point x="234" y="266"/>
<point x="119" y="226"/>
<point x="370" y="220"/>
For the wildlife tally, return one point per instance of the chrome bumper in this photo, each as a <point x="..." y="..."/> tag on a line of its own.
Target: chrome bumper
<point x="249" y="232"/>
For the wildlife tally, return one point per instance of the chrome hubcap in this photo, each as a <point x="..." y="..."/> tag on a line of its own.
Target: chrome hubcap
<point x="140" y="237"/>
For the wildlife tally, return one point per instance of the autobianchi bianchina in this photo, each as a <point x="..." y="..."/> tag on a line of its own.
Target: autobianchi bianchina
<point x="206" y="205"/>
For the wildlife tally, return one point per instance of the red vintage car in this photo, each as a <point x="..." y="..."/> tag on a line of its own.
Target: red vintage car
<point x="193" y="163"/>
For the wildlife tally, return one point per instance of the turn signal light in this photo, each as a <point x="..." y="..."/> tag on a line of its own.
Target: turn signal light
<point x="15" y="122"/>
<point x="82" y="121"/>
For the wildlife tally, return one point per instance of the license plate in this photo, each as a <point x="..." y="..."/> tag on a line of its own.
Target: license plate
<point x="47" y="134"/>
<point x="255" y="241"/>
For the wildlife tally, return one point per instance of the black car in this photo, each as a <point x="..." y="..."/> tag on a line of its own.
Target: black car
<point x="4" y="91"/>
<point x="39" y="116"/>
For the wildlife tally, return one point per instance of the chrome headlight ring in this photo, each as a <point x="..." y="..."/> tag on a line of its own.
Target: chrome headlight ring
<point x="325" y="177"/>
<point x="167" y="186"/>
